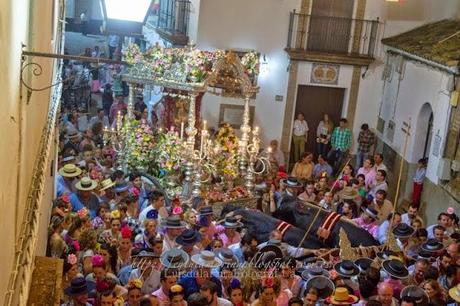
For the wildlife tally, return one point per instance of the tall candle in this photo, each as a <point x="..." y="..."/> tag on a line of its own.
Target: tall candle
<point x="181" y="130"/>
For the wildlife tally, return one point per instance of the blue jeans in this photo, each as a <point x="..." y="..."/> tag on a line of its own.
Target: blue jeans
<point x="360" y="157"/>
<point x="322" y="149"/>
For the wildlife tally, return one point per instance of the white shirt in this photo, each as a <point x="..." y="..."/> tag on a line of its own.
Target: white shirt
<point x="379" y="186"/>
<point x="405" y="219"/>
<point x="151" y="283"/>
<point x="223" y="302"/>
<point x="96" y="119"/>
<point x="300" y="128"/>
<point x="383" y="231"/>
<point x="381" y="167"/>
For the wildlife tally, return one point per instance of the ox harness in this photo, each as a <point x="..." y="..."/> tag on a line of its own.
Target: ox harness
<point x="326" y="227"/>
<point x="283" y="227"/>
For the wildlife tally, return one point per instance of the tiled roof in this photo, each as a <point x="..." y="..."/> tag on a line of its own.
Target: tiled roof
<point x="438" y="42"/>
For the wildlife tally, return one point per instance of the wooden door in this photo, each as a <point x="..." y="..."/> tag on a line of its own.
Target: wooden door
<point x="313" y="102"/>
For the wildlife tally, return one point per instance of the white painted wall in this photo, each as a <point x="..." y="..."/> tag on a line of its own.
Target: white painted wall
<point x="396" y="18"/>
<point x="257" y="24"/>
<point x="194" y="20"/>
<point x="419" y="84"/>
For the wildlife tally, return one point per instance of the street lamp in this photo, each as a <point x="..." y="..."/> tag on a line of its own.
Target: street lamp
<point x="125" y="17"/>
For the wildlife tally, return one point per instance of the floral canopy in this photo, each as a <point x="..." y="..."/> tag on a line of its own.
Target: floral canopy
<point x="189" y="67"/>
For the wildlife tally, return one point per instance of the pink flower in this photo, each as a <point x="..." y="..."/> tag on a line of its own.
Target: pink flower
<point x="72" y="259"/>
<point x="451" y="211"/>
<point x="177" y="210"/>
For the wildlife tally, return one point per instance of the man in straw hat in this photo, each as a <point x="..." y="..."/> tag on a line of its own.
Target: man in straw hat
<point x="204" y="262"/>
<point x="66" y="179"/>
<point x="341" y="296"/>
<point x="106" y="192"/>
<point x="84" y="197"/>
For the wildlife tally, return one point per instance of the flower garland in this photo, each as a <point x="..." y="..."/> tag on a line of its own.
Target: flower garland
<point x="141" y="142"/>
<point x="168" y="153"/>
<point x="252" y="63"/>
<point x="133" y="54"/>
<point x="226" y="157"/>
<point x="183" y="64"/>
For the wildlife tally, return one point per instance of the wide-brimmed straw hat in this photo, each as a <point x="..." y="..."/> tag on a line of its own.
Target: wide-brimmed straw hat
<point x="207" y="259"/>
<point x="322" y="284"/>
<point x="292" y="182"/>
<point x="79" y="286"/>
<point x="346" y="269"/>
<point x="416" y="294"/>
<point x="403" y="231"/>
<point x="454" y="293"/>
<point x="348" y="193"/>
<point x="174" y="258"/>
<point x="173" y="221"/>
<point x="188" y="237"/>
<point x="69" y="170"/>
<point x="342" y="297"/>
<point x="106" y="184"/>
<point x="86" y="184"/>
<point x="395" y="268"/>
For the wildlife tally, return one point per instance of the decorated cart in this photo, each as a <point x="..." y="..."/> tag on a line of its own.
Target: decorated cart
<point x="185" y="160"/>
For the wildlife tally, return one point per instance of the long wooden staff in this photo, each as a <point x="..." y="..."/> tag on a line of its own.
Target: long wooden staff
<point x="406" y="131"/>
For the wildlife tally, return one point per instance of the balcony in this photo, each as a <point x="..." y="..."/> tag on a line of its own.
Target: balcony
<point x="173" y="21"/>
<point x="329" y="39"/>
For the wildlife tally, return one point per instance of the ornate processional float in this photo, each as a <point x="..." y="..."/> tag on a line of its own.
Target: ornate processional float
<point x="222" y="168"/>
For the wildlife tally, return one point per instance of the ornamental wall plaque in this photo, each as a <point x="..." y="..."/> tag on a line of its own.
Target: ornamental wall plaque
<point x="325" y="74"/>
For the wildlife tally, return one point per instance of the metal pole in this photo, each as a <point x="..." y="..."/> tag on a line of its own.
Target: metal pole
<point x="74" y="57"/>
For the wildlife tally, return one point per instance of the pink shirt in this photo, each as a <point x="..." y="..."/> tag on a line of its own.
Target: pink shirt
<point x="162" y="297"/>
<point x="369" y="175"/>
<point x="229" y="241"/>
<point x="372" y="228"/>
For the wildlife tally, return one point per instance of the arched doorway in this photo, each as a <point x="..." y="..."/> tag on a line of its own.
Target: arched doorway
<point x="423" y="133"/>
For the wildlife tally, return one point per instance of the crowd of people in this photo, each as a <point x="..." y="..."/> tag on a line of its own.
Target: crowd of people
<point x="125" y="243"/>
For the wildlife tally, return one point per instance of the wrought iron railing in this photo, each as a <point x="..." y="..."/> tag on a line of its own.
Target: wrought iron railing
<point x="326" y="34"/>
<point x="173" y="16"/>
